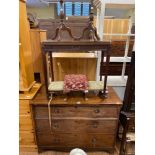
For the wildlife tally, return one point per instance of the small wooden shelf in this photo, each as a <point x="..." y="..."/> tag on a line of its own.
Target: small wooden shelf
<point x="119" y="34"/>
<point x="29" y="95"/>
<point x="21" y="87"/>
<point x="116" y="81"/>
<point x="119" y="59"/>
<point x="74" y="55"/>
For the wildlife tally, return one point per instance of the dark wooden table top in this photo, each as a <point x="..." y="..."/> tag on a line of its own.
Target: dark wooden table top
<point x="73" y="42"/>
<point x="72" y="45"/>
<point x="112" y="99"/>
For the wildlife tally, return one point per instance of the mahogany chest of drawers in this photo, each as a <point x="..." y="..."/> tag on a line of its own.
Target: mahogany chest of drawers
<point x="90" y="125"/>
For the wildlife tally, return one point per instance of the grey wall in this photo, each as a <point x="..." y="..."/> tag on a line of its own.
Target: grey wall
<point x="118" y="13"/>
<point x="43" y="12"/>
<point x="120" y="92"/>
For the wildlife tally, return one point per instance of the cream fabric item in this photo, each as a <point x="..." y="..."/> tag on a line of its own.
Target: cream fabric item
<point x="130" y="136"/>
<point x="92" y="85"/>
<point x="56" y="86"/>
<point x="77" y="151"/>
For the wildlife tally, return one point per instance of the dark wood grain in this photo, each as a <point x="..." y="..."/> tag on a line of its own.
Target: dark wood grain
<point x="51" y="24"/>
<point x="95" y="111"/>
<point x="127" y="120"/>
<point x="112" y="99"/>
<point x="88" y="42"/>
<point x="45" y="72"/>
<point x="76" y="140"/>
<point x="49" y="46"/>
<point x="77" y="125"/>
<point x="129" y="96"/>
<point x="91" y="125"/>
<point x="51" y="64"/>
<point x="74" y="46"/>
<point x="118" y="48"/>
<point x="106" y="69"/>
<point x="115" y="68"/>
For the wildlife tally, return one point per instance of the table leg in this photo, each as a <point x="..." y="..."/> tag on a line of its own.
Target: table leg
<point x="45" y="72"/>
<point x="106" y="71"/>
<point x="102" y="61"/>
<point x="51" y="63"/>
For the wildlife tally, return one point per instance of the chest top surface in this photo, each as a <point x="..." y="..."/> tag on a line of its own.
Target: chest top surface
<point x="112" y="99"/>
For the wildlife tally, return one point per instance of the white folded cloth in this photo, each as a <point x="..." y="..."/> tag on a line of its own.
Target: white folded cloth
<point x="77" y="151"/>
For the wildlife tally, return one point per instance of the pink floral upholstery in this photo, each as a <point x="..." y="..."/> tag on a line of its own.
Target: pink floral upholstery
<point x="73" y="82"/>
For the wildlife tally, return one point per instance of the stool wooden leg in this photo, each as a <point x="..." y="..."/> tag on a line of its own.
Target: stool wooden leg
<point x="111" y="152"/>
<point x="40" y="150"/>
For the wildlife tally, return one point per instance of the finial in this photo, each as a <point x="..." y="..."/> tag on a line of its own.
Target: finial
<point x="91" y="17"/>
<point x="61" y="11"/>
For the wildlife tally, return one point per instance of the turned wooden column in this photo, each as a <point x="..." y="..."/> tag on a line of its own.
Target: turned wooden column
<point x="51" y="65"/>
<point x="106" y="69"/>
<point x="102" y="61"/>
<point x="45" y="72"/>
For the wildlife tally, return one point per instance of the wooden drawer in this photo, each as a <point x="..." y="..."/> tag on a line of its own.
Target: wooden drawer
<point x="26" y="138"/>
<point x="92" y="112"/>
<point x="24" y="107"/>
<point x="77" y="125"/>
<point x="25" y="123"/>
<point x="76" y="140"/>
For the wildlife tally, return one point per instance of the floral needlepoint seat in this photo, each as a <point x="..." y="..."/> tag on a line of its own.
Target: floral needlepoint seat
<point x="75" y="82"/>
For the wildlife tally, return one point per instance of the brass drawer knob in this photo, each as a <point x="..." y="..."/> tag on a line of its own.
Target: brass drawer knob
<point x="95" y="125"/>
<point x="97" y="110"/>
<point x="56" y="140"/>
<point x="94" y="140"/>
<point x="55" y="125"/>
<point x="56" y="111"/>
